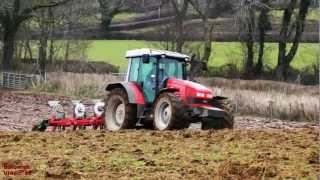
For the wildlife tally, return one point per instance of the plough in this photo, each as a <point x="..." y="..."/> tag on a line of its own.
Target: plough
<point x="58" y="119"/>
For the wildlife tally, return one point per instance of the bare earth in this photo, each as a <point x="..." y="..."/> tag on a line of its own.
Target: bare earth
<point x="19" y="111"/>
<point x="258" y="148"/>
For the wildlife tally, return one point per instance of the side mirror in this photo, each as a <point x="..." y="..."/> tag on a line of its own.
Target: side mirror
<point x="145" y="59"/>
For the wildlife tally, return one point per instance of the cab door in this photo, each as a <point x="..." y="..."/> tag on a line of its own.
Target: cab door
<point x="147" y="79"/>
<point x="145" y="75"/>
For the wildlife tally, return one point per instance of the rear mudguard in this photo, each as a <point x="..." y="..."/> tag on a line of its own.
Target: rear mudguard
<point x="133" y="90"/>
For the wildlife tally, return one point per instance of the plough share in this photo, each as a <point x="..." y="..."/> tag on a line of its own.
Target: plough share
<point x="58" y="119"/>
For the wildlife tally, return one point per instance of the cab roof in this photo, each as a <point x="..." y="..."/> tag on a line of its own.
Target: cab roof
<point x="155" y="52"/>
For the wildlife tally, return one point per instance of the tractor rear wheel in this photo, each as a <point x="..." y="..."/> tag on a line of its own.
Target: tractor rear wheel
<point x="220" y="123"/>
<point x="119" y="114"/>
<point x="168" y="113"/>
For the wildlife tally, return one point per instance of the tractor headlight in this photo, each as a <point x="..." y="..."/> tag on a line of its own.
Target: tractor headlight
<point x="194" y="93"/>
<point x="200" y="95"/>
<point x="204" y="95"/>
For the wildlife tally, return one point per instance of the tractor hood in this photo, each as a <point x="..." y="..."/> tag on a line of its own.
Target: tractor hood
<point x="190" y="89"/>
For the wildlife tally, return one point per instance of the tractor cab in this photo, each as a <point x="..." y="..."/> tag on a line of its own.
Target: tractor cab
<point x="157" y="93"/>
<point x="151" y="68"/>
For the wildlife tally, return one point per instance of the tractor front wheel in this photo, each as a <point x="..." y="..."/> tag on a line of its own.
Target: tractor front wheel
<point x="119" y="114"/>
<point x="168" y="113"/>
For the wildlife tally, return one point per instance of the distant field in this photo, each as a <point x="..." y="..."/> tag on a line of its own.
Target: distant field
<point x="113" y="51"/>
<point x="126" y="16"/>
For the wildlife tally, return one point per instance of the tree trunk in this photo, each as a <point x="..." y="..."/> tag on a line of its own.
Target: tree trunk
<point x="280" y="71"/>
<point x="51" y="51"/>
<point x="43" y="44"/>
<point x="8" y="49"/>
<point x="264" y="25"/>
<point x="25" y="50"/>
<point x="28" y="48"/>
<point x="283" y="38"/>
<point x="179" y="36"/>
<point x="51" y="27"/>
<point x="20" y="50"/>
<point x="207" y="41"/>
<point x="249" y="66"/>
<point x="284" y="59"/>
<point x="180" y="9"/>
<point x="259" y="66"/>
<point x="43" y="54"/>
<point x="66" y="55"/>
<point x="299" y="28"/>
<point x="250" y="55"/>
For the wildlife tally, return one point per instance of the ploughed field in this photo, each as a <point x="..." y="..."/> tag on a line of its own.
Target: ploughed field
<point x="257" y="148"/>
<point x="146" y="154"/>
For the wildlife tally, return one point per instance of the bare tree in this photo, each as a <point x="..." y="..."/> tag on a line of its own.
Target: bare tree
<point x="206" y="10"/>
<point x="180" y="8"/>
<point x="28" y="54"/>
<point x="108" y="9"/>
<point x="12" y="14"/>
<point x="249" y="23"/>
<point x="246" y="19"/>
<point x="264" y="25"/>
<point x="204" y="14"/>
<point x="290" y="26"/>
<point x="44" y="25"/>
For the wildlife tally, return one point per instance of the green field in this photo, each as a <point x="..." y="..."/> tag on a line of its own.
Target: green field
<point x="126" y="16"/>
<point x="113" y="51"/>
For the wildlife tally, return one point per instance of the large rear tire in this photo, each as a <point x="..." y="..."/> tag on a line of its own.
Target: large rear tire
<point x="220" y="123"/>
<point x="169" y="113"/>
<point x="119" y="114"/>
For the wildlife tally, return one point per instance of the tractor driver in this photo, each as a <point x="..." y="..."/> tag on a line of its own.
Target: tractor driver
<point x="150" y="80"/>
<point x="151" y="77"/>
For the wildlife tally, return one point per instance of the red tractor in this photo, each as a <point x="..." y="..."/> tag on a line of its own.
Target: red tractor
<point x="157" y="94"/>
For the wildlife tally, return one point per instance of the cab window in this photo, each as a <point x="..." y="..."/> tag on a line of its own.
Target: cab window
<point x="134" y="69"/>
<point x="171" y="68"/>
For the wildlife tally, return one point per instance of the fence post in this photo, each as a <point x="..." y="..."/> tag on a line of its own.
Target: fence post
<point x="316" y="116"/>
<point x="271" y="109"/>
<point x="302" y="113"/>
<point x="290" y="109"/>
<point x="237" y="106"/>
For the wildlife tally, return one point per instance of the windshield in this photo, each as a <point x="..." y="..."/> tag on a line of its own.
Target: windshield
<point x="171" y="68"/>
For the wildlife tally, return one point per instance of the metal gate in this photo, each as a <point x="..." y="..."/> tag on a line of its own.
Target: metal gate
<point x="17" y="80"/>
